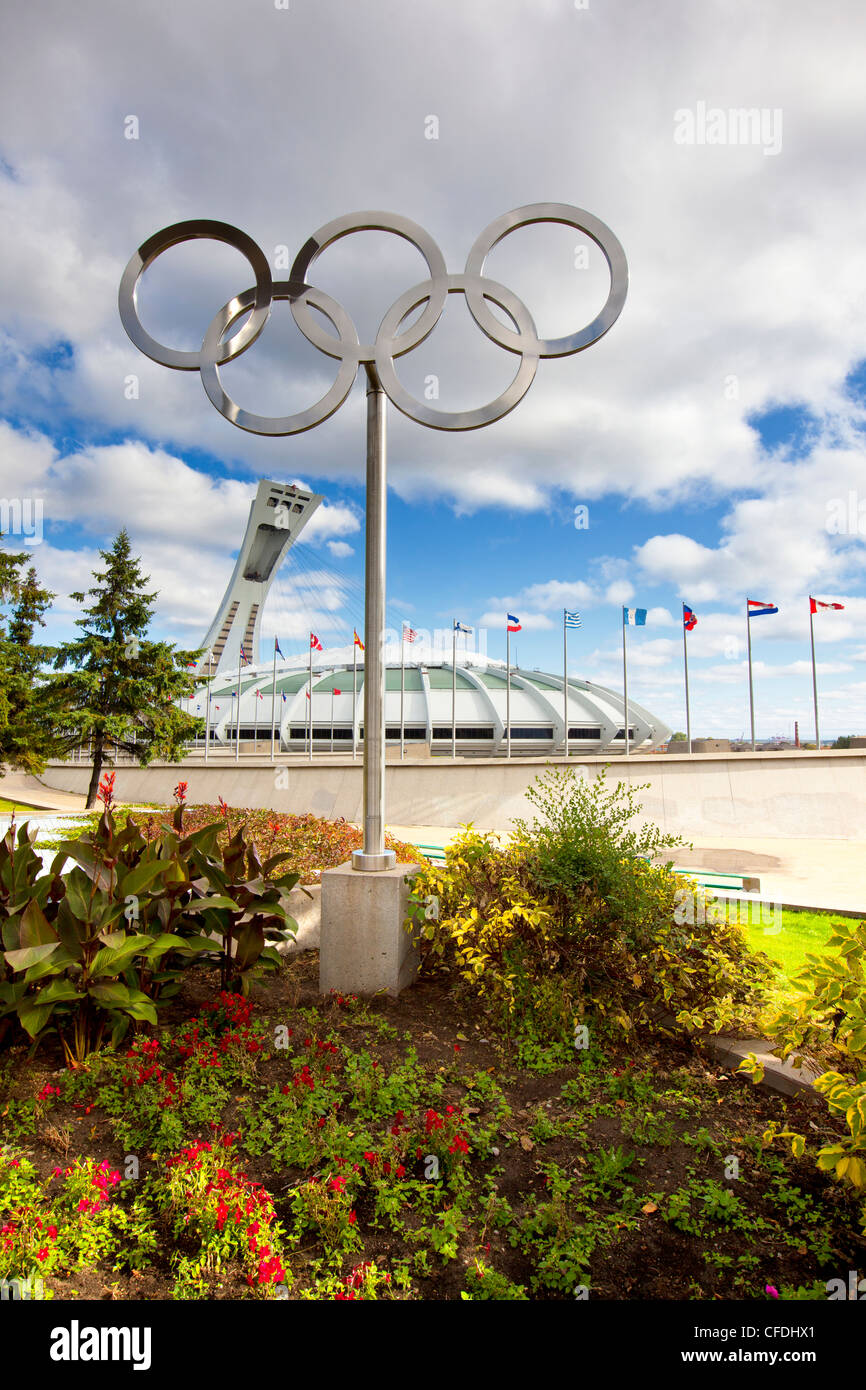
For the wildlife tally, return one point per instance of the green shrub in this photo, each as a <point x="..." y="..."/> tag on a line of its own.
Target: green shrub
<point x="828" y="1012"/>
<point x="104" y="943"/>
<point x="569" y="919"/>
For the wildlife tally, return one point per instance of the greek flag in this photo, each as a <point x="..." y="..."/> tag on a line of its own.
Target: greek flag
<point x="571" y="619"/>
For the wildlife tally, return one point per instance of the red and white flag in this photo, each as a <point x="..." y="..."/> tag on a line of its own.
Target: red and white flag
<point x="815" y="604"/>
<point x="409" y="633"/>
<point x="337" y="692"/>
<point x="315" y="644"/>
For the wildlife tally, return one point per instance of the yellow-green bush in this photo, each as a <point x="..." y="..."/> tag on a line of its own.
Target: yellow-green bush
<point x="828" y="1015"/>
<point x="574" y="900"/>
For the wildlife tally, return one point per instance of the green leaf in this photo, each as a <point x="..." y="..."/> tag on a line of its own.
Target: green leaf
<point x="36" y="930"/>
<point x="59" y="991"/>
<point x="216" y="901"/>
<point x="141" y="877"/>
<point x="30" y="955"/>
<point x="32" y="1016"/>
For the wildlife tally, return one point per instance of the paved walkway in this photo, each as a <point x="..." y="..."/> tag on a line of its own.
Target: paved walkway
<point x="20" y="786"/>
<point x="801" y="873"/>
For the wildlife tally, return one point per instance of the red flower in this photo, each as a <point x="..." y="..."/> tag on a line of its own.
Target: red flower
<point x="352" y="1218"/>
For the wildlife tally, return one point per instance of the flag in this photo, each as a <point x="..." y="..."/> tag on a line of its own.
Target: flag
<point x="689" y="619"/>
<point x="308" y="694"/>
<point x="358" y="642"/>
<point x="634" y="617"/>
<point x="409" y="633"/>
<point x="243" y="653"/>
<point x="259" y="695"/>
<point x="572" y="619"/>
<point x="757" y="609"/>
<point x="459" y="627"/>
<point x="315" y="644"/>
<point x="513" y="623"/>
<point x="815" y="604"/>
<point x="337" y="692"/>
<point x="284" y="696"/>
<point x="278" y="651"/>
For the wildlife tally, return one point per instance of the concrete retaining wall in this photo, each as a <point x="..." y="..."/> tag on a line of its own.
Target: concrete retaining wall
<point x="804" y="794"/>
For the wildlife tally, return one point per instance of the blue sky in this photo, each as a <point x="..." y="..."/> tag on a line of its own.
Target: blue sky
<point x="713" y="435"/>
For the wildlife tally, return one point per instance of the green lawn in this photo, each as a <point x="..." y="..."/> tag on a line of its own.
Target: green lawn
<point x="801" y="932"/>
<point x="15" y="806"/>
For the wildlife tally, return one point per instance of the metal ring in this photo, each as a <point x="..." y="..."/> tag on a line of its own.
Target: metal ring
<point x="570" y="216"/>
<point x="260" y="303"/>
<point x="456" y="419"/>
<point x="370" y="222"/>
<point x="286" y="424"/>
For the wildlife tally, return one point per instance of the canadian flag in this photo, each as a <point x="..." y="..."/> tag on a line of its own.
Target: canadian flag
<point x="315" y="644"/>
<point x="814" y="605"/>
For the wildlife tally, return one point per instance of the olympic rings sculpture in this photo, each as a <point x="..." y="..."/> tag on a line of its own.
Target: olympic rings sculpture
<point x="223" y="341"/>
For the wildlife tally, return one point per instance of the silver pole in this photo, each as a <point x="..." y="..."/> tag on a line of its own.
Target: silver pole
<point x="310" y="701"/>
<point x="507" y="692"/>
<point x="565" y="679"/>
<point x="686" y="669"/>
<point x="207" y="705"/>
<point x="332" y="718"/>
<point x="374" y="856"/>
<point x="453" y="687"/>
<point x="625" y="681"/>
<point x="402" y="689"/>
<point x="814" y="672"/>
<point x="238" y="714"/>
<point x="274" y="703"/>
<point x="354" y="696"/>
<point x="751" y="688"/>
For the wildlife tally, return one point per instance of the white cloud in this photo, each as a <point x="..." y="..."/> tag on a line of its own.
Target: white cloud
<point x="340" y="550"/>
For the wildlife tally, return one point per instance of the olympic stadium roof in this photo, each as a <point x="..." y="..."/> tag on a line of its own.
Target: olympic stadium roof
<point x="537" y="708"/>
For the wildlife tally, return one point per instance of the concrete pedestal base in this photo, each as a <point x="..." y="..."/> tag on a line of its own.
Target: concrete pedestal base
<point x="364" y="946"/>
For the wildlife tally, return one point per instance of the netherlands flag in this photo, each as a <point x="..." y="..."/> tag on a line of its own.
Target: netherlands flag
<point x="513" y="623"/>
<point x="757" y="609"/>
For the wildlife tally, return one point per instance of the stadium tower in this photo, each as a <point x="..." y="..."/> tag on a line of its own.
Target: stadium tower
<point x="278" y="514"/>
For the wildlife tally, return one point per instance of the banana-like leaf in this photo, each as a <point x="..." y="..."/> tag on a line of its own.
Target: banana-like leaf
<point x="30" y="955"/>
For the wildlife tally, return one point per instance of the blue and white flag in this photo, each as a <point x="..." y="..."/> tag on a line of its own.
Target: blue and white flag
<point x="459" y="627"/>
<point x="634" y="617"/>
<point x="571" y="619"/>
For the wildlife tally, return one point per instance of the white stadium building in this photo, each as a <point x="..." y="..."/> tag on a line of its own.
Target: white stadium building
<point x="431" y="706"/>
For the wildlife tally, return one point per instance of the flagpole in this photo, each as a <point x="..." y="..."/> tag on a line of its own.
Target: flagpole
<point x="454" y="688"/>
<point x="238" y="716"/>
<point x="686" y="669"/>
<point x="508" y="690"/>
<point x="354" y="695"/>
<point x="814" y="672"/>
<point x="332" y="719"/>
<point x="402" y="686"/>
<point x="751" y="687"/>
<point x="274" y="704"/>
<point x="310" y="716"/>
<point x="565" y="679"/>
<point x="625" y="682"/>
<point x="256" y="721"/>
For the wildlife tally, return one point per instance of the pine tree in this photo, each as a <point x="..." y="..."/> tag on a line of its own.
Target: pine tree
<point x="121" y="688"/>
<point x="25" y="728"/>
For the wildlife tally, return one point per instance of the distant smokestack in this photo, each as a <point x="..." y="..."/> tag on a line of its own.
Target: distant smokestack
<point x="796" y="733"/>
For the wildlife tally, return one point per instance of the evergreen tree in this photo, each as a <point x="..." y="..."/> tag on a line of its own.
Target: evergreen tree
<point x="121" y="688"/>
<point x="25" y="727"/>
